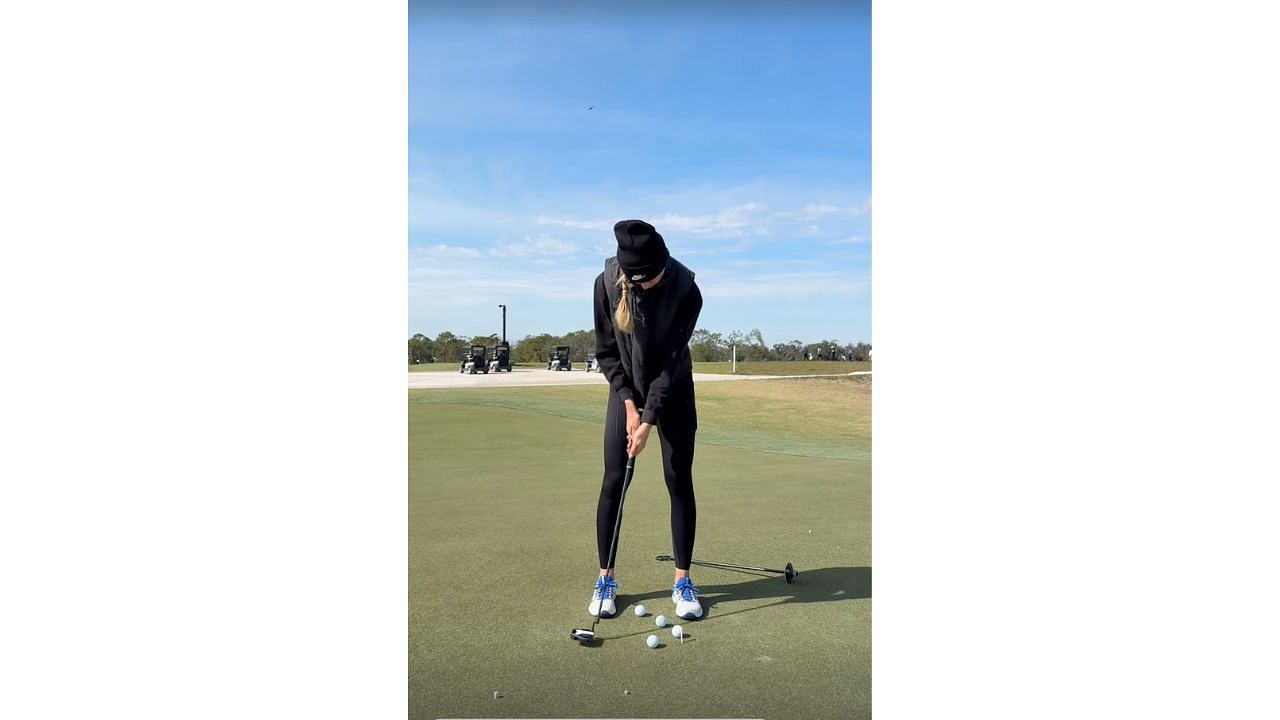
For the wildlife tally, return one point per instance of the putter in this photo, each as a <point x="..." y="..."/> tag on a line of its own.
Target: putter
<point x="586" y="637"/>
<point x="789" y="574"/>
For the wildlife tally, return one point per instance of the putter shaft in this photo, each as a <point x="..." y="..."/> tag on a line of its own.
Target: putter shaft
<point x="722" y="565"/>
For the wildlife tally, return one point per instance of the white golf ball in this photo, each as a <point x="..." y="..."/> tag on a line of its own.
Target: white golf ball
<point x="651" y="641"/>
<point x="639" y="611"/>
<point x="677" y="631"/>
<point x="661" y="620"/>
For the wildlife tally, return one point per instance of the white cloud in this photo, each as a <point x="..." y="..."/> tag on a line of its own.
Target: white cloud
<point x="817" y="210"/>
<point x="600" y="225"/>
<point x="854" y="240"/>
<point x="740" y="221"/>
<point x="714" y="250"/>
<point x="555" y="285"/>
<point x="450" y="251"/>
<point x="730" y="222"/>
<point x="741" y="285"/>
<point x="775" y="263"/>
<point x="540" y="248"/>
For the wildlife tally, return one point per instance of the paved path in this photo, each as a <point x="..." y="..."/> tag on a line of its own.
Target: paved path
<point x="537" y="377"/>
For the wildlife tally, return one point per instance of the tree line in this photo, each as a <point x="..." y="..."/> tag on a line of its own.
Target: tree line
<point x="705" y="346"/>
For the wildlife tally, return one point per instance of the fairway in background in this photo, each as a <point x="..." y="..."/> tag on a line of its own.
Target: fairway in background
<point x="826" y="417"/>
<point x="782" y="367"/>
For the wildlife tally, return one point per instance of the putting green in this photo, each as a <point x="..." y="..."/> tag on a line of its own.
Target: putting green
<point x="502" y="493"/>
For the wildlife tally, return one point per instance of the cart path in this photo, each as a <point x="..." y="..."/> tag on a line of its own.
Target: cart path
<point x="536" y="377"/>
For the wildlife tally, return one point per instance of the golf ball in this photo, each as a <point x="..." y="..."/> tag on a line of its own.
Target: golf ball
<point x="639" y="611"/>
<point x="677" y="631"/>
<point x="661" y="620"/>
<point x="651" y="641"/>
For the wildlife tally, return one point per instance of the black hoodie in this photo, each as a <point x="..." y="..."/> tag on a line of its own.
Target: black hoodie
<point x="645" y="364"/>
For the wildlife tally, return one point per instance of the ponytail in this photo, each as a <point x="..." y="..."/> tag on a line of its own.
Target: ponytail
<point x="622" y="316"/>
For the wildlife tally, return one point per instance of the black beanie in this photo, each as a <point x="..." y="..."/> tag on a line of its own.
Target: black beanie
<point x="641" y="251"/>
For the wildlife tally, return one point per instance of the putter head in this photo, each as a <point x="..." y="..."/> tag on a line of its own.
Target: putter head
<point x="585" y="637"/>
<point x="790" y="574"/>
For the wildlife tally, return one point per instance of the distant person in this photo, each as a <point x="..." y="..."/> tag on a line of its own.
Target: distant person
<point x="646" y="307"/>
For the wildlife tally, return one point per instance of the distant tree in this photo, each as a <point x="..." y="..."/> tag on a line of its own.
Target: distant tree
<point x="420" y="350"/>
<point x="754" y="347"/>
<point x="749" y="345"/>
<point x="449" y="347"/>
<point x="533" y="348"/>
<point x="829" y="349"/>
<point x="580" y="343"/>
<point x="735" y="345"/>
<point x="825" y="350"/>
<point x="706" y="346"/>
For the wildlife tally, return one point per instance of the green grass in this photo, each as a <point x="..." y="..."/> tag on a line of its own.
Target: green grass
<point x="813" y="417"/>
<point x="502" y="491"/>
<point x="783" y="367"/>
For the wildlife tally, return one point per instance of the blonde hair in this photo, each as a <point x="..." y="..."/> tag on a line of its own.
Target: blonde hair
<point x="622" y="316"/>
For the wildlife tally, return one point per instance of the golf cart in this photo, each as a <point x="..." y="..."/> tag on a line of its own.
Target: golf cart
<point x="559" y="360"/>
<point x="501" y="358"/>
<point x="592" y="365"/>
<point x="474" y="361"/>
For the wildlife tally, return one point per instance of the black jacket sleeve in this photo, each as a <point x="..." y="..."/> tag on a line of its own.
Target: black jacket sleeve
<point x="607" y="354"/>
<point x="679" y="333"/>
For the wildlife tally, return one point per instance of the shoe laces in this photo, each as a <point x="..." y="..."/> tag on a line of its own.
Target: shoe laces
<point x="606" y="587"/>
<point x="688" y="592"/>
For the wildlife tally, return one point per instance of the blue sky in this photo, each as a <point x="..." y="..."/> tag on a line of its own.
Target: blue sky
<point x="742" y="132"/>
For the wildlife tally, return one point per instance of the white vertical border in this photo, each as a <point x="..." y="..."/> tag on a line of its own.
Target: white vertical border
<point x="1075" y="237"/>
<point x="202" y="276"/>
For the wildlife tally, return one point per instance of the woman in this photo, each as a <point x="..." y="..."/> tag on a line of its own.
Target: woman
<point x="646" y="306"/>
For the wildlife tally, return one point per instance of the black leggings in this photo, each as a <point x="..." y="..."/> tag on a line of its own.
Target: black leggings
<point x="675" y="431"/>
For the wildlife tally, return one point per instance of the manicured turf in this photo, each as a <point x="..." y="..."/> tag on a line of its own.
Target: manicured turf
<point x="782" y="367"/>
<point x="502" y="492"/>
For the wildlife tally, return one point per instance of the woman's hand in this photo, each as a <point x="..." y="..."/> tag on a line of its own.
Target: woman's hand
<point x="637" y="439"/>
<point x="633" y="420"/>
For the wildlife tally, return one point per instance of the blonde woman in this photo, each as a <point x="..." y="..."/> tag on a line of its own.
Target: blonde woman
<point x="646" y="307"/>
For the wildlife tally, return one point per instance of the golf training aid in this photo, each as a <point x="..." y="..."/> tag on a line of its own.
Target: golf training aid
<point x="789" y="574"/>
<point x="586" y="637"/>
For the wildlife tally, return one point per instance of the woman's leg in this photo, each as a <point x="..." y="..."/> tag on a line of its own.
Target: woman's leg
<point x="615" y="469"/>
<point x="676" y="432"/>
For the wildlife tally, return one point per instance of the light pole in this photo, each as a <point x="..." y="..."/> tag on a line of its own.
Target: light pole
<point x="504" y="323"/>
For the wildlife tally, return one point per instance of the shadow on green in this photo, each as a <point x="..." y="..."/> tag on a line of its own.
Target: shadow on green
<point x="835" y="584"/>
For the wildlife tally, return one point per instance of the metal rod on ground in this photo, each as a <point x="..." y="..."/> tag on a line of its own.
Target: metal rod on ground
<point x="788" y="574"/>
